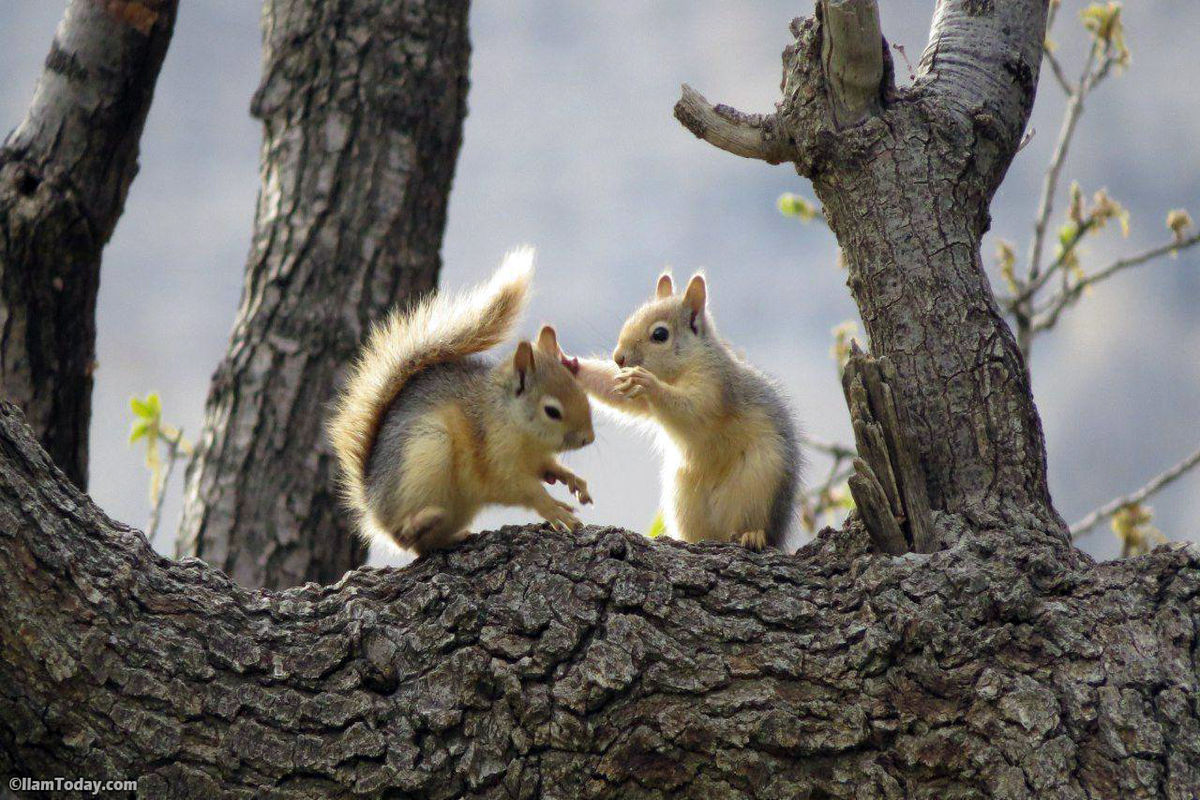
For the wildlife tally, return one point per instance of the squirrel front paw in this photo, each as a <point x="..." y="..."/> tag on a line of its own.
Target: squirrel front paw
<point x="562" y="517"/>
<point x="578" y="487"/>
<point x="575" y="484"/>
<point x="633" y="382"/>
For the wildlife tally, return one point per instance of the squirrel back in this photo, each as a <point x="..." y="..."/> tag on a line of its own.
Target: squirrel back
<point x="440" y="329"/>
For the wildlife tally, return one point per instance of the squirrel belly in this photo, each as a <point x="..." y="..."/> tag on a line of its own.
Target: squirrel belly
<point x="733" y="462"/>
<point x="737" y="474"/>
<point x="427" y="432"/>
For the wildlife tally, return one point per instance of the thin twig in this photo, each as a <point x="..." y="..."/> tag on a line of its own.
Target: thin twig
<point x="1059" y="75"/>
<point x="1112" y="507"/>
<point x="1068" y="297"/>
<point x="156" y="510"/>
<point x="1030" y="289"/>
<point x="1054" y="170"/>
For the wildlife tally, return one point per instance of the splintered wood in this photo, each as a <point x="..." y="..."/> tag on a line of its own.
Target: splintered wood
<point x="888" y="484"/>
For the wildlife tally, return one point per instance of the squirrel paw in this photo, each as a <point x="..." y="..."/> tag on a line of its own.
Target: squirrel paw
<point x="578" y="487"/>
<point x="562" y="517"/>
<point x="575" y="485"/>
<point x="633" y="382"/>
<point x="753" y="540"/>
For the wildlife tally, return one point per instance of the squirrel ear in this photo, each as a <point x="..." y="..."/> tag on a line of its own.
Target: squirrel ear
<point x="523" y="364"/>
<point x="547" y="341"/>
<point x="664" y="288"/>
<point x="694" y="299"/>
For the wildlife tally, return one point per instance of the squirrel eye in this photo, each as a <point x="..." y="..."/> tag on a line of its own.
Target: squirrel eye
<point x="660" y="333"/>
<point x="552" y="412"/>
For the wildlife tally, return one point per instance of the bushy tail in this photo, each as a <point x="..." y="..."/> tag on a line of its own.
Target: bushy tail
<point x="441" y="328"/>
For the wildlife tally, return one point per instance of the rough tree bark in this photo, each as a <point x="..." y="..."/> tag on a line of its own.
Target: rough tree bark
<point x="362" y="104"/>
<point x="64" y="174"/>
<point x="527" y="663"/>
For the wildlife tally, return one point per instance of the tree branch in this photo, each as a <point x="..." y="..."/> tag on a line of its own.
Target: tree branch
<point x="852" y="55"/>
<point x="746" y="135"/>
<point x="1053" y="309"/>
<point x="851" y="71"/>
<point x="1085" y="525"/>
<point x="64" y="175"/>
<point x="1054" y="171"/>
<point x="983" y="58"/>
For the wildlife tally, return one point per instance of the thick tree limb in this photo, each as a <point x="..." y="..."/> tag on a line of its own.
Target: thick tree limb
<point x="362" y="105"/>
<point x="64" y="175"/>
<point x="983" y="58"/>
<point x="528" y="663"/>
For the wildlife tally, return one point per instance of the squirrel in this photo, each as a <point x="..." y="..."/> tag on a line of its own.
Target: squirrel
<point x="733" y="462"/>
<point x="426" y="431"/>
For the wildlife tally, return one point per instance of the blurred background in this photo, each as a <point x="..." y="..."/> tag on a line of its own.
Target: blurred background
<point x="570" y="145"/>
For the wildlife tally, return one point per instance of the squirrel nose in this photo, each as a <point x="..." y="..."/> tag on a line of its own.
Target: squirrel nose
<point x="619" y="357"/>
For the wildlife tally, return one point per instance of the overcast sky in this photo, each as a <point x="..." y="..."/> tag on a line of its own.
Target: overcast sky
<point x="570" y="145"/>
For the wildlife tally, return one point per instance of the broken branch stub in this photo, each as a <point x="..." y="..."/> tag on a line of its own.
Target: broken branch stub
<point x="888" y="485"/>
<point x="852" y="59"/>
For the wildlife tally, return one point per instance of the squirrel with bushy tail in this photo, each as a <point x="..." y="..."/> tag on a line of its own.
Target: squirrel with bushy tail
<point x="427" y="432"/>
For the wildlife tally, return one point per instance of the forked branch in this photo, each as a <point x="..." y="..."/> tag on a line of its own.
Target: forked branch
<point x="851" y="76"/>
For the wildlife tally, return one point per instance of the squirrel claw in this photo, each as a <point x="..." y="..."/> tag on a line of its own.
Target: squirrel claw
<point x="578" y="487"/>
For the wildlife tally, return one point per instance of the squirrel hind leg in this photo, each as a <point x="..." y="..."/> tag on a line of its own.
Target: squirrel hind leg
<point x="752" y="540"/>
<point x="427" y="530"/>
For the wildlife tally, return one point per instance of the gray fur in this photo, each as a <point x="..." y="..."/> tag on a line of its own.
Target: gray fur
<point x="434" y="386"/>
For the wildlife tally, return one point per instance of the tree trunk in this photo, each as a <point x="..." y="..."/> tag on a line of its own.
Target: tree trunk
<point x="64" y="174"/>
<point x="1009" y="666"/>
<point x="362" y="104"/>
<point x="906" y="178"/>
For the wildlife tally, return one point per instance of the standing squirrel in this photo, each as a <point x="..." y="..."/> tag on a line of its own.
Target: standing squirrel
<point x="427" y="432"/>
<point x="733" y="463"/>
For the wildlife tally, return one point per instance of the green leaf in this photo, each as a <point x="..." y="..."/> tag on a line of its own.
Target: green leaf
<point x="139" y="407"/>
<point x="150" y="408"/>
<point x="793" y="205"/>
<point x="141" y="427"/>
<point x="658" y="527"/>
